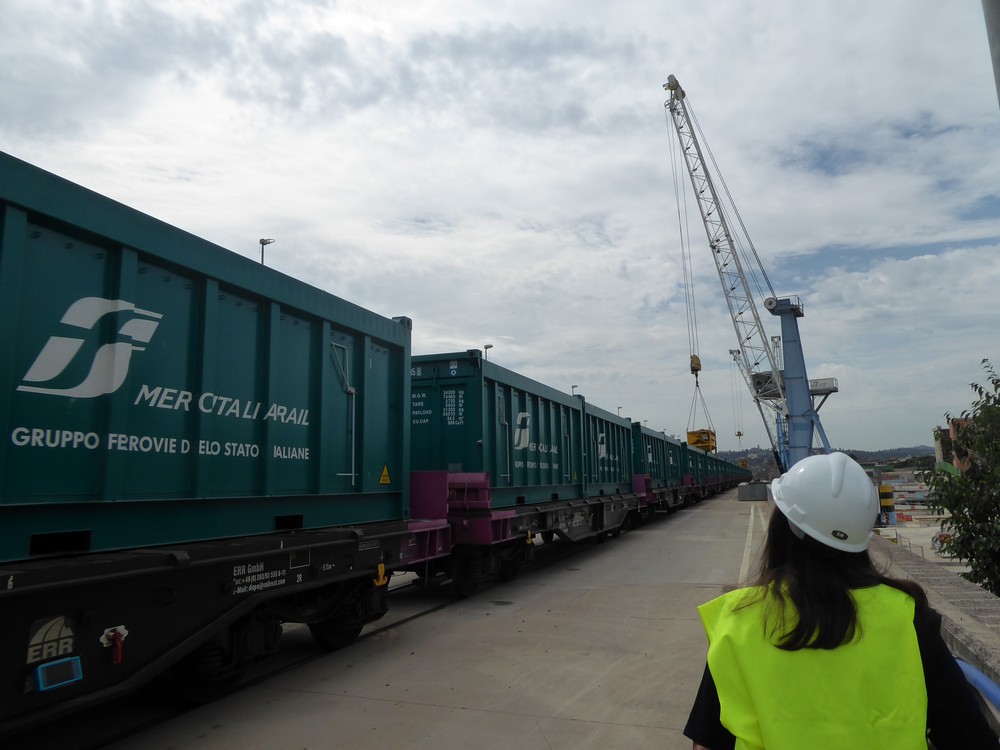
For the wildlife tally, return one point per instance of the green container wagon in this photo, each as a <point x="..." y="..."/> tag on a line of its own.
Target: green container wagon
<point x="160" y="389"/>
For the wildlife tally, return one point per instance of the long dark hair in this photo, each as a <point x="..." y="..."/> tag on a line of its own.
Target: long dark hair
<point x="817" y="581"/>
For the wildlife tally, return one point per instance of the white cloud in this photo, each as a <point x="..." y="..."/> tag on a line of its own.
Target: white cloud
<point x="499" y="173"/>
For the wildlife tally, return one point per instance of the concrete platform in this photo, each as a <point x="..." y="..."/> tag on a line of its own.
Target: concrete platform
<point x="604" y="650"/>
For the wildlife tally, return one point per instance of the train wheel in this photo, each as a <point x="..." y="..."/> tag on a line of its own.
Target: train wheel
<point x="203" y="677"/>
<point x="468" y="575"/>
<point x="331" y="635"/>
<point x="509" y="568"/>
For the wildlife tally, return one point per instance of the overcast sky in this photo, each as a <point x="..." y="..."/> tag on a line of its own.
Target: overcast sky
<point x="500" y="173"/>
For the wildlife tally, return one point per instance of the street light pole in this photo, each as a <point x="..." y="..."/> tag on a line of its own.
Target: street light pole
<point x="263" y="242"/>
<point x="486" y="349"/>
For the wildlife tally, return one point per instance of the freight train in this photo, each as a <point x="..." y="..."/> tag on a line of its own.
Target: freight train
<point x="198" y="449"/>
<point x="505" y="458"/>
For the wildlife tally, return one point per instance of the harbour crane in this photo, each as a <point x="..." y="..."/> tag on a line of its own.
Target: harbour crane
<point x="776" y="377"/>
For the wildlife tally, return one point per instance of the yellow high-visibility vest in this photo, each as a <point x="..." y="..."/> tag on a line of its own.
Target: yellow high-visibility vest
<point x="866" y="694"/>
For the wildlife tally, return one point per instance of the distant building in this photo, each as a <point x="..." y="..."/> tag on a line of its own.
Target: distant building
<point x="944" y="441"/>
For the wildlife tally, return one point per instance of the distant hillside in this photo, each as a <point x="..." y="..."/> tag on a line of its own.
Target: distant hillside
<point x="891" y="455"/>
<point x="761" y="461"/>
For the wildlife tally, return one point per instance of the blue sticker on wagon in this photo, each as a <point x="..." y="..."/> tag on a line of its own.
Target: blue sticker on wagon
<point x="56" y="674"/>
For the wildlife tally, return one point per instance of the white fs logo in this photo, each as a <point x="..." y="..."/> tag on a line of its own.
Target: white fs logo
<point x="110" y="365"/>
<point x="522" y="431"/>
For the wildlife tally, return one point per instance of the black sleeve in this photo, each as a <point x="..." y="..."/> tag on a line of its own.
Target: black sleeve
<point x="954" y="718"/>
<point x="703" y="724"/>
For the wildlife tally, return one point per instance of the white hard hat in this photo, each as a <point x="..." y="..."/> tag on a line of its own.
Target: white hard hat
<point x="831" y="499"/>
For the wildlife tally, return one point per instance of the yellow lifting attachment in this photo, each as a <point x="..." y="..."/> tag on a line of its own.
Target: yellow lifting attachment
<point x="704" y="439"/>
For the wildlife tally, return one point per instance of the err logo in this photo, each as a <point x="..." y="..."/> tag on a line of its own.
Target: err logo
<point x="110" y="364"/>
<point x="49" y="639"/>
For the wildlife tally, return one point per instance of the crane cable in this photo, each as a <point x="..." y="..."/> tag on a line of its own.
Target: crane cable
<point x="685" y="240"/>
<point x="693" y="415"/>
<point x="736" y="379"/>
<point x="689" y="299"/>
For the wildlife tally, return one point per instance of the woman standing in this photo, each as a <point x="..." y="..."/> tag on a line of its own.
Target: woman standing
<point x="825" y="652"/>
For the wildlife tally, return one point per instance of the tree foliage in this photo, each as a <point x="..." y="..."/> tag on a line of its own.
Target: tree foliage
<point x="973" y="497"/>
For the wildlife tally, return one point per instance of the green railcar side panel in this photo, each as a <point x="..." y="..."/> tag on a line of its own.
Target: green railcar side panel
<point x="447" y="430"/>
<point x="608" y="451"/>
<point x="536" y="443"/>
<point x="656" y="455"/>
<point x="293" y="439"/>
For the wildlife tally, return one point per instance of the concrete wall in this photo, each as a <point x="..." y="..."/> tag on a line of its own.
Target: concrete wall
<point x="970" y="615"/>
<point x="753" y="491"/>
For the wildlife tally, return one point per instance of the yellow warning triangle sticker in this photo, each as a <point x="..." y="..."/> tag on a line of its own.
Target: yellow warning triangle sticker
<point x="385" y="479"/>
